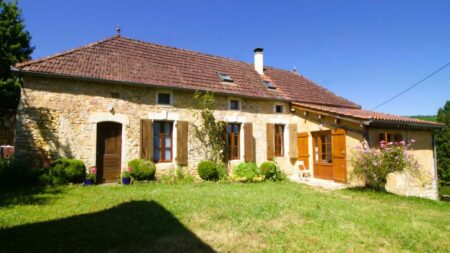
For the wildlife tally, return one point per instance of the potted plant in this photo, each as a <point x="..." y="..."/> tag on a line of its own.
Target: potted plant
<point x="126" y="176"/>
<point x="90" y="176"/>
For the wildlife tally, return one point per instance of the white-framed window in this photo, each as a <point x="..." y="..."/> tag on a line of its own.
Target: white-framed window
<point x="234" y="104"/>
<point x="278" y="108"/>
<point x="164" y="98"/>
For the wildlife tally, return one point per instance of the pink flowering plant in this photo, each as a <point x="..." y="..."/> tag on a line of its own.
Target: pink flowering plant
<point x="92" y="174"/>
<point x="374" y="164"/>
<point x="127" y="173"/>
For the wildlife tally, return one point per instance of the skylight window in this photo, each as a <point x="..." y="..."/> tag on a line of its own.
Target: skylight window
<point x="269" y="85"/>
<point x="225" y="78"/>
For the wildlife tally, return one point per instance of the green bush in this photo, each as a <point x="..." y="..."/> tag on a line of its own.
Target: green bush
<point x="207" y="170"/>
<point x="271" y="171"/>
<point x="65" y="170"/>
<point x="247" y="172"/>
<point x="16" y="172"/>
<point x="142" y="169"/>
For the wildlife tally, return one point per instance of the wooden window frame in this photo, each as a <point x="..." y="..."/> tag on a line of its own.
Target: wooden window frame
<point x="232" y="146"/>
<point x="317" y="141"/>
<point x="279" y="140"/>
<point x="162" y="142"/>
<point x="390" y="137"/>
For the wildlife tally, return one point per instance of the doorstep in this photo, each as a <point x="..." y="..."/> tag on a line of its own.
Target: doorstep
<point x="321" y="183"/>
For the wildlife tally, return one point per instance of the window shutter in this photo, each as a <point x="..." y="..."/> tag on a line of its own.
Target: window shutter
<point x="270" y="142"/>
<point x="339" y="155"/>
<point x="249" y="154"/>
<point x="146" y="139"/>
<point x="293" y="141"/>
<point x="182" y="142"/>
<point x="303" y="148"/>
<point x="225" y="140"/>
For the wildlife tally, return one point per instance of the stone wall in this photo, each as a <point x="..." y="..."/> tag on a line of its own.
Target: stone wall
<point x="58" y="118"/>
<point x="403" y="183"/>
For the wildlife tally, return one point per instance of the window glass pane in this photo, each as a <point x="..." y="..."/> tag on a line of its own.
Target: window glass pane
<point x="156" y="154"/>
<point x="167" y="154"/>
<point x="157" y="128"/>
<point x="164" y="98"/>
<point x="167" y="141"/>
<point x="234" y="104"/>
<point x="167" y="127"/>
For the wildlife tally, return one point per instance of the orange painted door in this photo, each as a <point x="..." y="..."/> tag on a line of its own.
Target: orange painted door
<point x="303" y="148"/>
<point x="339" y="155"/>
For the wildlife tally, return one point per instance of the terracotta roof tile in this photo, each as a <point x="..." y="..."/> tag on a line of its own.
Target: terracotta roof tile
<point x="368" y="115"/>
<point x="133" y="61"/>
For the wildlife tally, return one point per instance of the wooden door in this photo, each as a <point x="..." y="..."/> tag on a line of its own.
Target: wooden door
<point x="109" y="151"/>
<point x="322" y="156"/>
<point x="339" y="155"/>
<point x="303" y="146"/>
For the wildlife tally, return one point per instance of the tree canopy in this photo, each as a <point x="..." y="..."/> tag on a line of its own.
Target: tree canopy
<point x="14" y="48"/>
<point x="443" y="144"/>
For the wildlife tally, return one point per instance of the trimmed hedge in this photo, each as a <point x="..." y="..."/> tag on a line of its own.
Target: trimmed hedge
<point x="207" y="170"/>
<point x="142" y="169"/>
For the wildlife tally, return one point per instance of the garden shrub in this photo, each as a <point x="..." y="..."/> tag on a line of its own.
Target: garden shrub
<point x="207" y="170"/>
<point x="142" y="169"/>
<point x="271" y="171"/>
<point x="375" y="164"/>
<point x="16" y="172"/>
<point x="247" y="172"/>
<point x="65" y="170"/>
<point x="222" y="170"/>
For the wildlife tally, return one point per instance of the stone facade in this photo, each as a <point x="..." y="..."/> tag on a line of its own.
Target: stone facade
<point x="59" y="117"/>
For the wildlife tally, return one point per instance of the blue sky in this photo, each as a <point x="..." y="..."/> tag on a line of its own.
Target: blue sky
<point x="365" y="51"/>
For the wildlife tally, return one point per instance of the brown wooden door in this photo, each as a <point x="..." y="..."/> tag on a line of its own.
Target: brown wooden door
<point x="339" y="155"/>
<point x="109" y="151"/>
<point x="322" y="156"/>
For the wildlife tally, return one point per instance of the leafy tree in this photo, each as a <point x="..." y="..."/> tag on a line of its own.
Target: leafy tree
<point x="443" y="145"/>
<point x="14" y="47"/>
<point x="209" y="132"/>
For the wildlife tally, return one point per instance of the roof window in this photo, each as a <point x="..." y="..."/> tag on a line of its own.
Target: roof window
<point x="269" y="85"/>
<point x="226" y="78"/>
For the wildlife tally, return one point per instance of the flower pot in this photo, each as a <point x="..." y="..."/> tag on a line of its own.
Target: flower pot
<point x="88" y="182"/>
<point x="126" y="181"/>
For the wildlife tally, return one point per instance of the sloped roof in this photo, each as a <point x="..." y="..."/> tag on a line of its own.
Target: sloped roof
<point x="369" y="115"/>
<point x="132" y="61"/>
<point x="126" y="60"/>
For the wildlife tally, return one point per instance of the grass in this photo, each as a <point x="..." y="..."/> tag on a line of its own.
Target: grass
<point x="225" y="217"/>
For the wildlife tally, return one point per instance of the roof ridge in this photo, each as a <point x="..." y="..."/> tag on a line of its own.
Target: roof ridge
<point x="27" y="63"/>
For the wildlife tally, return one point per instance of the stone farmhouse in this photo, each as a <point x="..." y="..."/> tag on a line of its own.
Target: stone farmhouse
<point x="120" y="99"/>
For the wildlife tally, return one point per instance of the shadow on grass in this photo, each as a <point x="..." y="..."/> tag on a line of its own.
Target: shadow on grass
<point x="137" y="226"/>
<point x="36" y="195"/>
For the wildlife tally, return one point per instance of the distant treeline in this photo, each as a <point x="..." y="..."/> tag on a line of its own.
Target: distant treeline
<point x="425" y="117"/>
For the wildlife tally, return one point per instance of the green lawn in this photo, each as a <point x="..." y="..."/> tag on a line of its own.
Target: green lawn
<point x="225" y="217"/>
